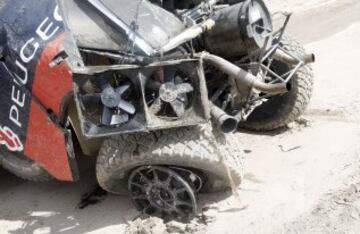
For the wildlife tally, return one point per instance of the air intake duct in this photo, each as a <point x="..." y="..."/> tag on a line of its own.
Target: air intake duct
<point x="239" y="29"/>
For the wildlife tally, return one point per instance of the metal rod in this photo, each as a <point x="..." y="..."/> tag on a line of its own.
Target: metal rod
<point x="243" y="77"/>
<point x="273" y="73"/>
<point x="262" y="52"/>
<point x="268" y="67"/>
<point x="274" y="48"/>
<point x="138" y="41"/>
<point x="284" y="26"/>
<point x="294" y="71"/>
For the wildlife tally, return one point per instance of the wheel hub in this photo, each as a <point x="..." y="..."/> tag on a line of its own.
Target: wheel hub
<point x="162" y="192"/>
<point x="110" y="98"/>
<point x="168" y="92"/>
<point x="161" y="197"/>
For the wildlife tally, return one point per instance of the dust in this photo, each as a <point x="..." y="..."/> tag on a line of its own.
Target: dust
<point x="152" y="225"/>
<point x="338" y="211"/>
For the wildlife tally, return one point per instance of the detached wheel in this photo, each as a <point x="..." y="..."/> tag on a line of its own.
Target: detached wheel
<point x="160" y="191"/>
<point x="279" y="111"/>
<point x="211" y="157"/>
<point x="23" y="167"/>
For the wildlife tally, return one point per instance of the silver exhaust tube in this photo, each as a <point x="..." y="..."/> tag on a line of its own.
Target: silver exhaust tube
<point x="285" y="58"/>
<point x="245" y="78"/>
<point x="226" y="122"/>
<point x="187" y="35"/>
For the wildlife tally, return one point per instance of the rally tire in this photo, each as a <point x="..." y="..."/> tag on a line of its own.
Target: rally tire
<point x="23" y="167"/>
<point x="192" y="148"/>
<point x="279" y="111"/>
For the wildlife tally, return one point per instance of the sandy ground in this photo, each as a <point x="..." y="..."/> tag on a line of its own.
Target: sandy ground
<point x="297" y="5"/>
<point x="303" y="180"/>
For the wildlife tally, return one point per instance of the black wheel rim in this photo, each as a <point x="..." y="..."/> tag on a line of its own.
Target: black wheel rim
<point x="161" y="192"/>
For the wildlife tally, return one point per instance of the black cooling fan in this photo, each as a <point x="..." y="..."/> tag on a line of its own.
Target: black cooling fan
<point x="112" y="100"/>
<point x="169" y="93"/>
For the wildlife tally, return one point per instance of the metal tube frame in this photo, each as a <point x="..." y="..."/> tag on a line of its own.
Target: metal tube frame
<point x="267" y="55"/>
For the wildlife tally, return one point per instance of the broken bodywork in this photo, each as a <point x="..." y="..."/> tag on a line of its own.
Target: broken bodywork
<point x="104" y="68"/>
<point x="32" y="94"/>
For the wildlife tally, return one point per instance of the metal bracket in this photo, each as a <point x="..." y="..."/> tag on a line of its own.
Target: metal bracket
<point x="268" y="55"/>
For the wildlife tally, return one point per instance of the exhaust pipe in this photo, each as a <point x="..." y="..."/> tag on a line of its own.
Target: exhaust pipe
<point x="187" y="35"/>
<point x="285" y="58"/>
<point x="226" y="122"/>
<point x="245" y="78"/>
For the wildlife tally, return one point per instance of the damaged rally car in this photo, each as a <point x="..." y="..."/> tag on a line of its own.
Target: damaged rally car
<point x="136" y="83"/>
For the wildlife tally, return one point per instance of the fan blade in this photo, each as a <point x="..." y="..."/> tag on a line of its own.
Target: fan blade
<point x="122" y="89"/>
<point x="179" y="107"/>
<point x="106" y="116"/>
<point x="169" y="74"/>
<point x="94" y="98"/>
<point x="156" y="106"/>
<point x="184" y="88"/>
<point x="119" y="119"/>
<point x="127" y="107"/>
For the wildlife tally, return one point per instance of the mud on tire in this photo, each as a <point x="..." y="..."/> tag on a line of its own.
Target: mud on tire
<point x="191" y="147"/>
<point x="282" y="110"/>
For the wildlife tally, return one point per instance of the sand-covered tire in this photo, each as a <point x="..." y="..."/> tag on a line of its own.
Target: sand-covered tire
<point x="194" y="148"/>
<point x="279" y="111"/>
<point x="23" y="167"/>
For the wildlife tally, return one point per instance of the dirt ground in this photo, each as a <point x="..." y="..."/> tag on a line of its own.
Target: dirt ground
<point x="302" y="180"/>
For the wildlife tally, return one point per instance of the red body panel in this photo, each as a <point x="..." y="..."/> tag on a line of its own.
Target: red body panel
<point x="45" y="141"/>
<point x="46" y="144"/>
<point x="31" y="36"/>
<point x="52" y="84"/>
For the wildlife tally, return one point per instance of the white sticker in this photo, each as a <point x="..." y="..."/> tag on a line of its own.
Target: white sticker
<point x="10" y="139"/>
